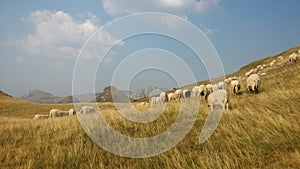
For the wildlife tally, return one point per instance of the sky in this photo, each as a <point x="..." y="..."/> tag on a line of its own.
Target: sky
<point x="83" y="46"/>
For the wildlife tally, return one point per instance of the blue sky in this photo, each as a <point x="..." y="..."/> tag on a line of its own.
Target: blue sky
<point x="40" y="41"/>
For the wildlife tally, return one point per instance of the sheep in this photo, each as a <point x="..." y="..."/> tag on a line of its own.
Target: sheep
<point x="202" y="90"/>
<point x="153" y="100"/>
<point x="163" y="97"/>
<point x="253" y="83"/>
<point x="215" y="87"/>
<point x="258" y="66"/>
<point x="186" y="94"/>
<point x="195" y="93"/>
<point x="280" y="58"/>
<point x="235" y="86"/>
<point x="178" y="93"/>
<point x="228" y="80"/>
<point x="171" y="96"/>
<point x="72" y="112"/>
<point x="87" y="110"/>
<point x="263" y="74"/>
<point x="40" y="117"/>
<point x="221" y="85"/>
<point x="249" y="72"/>
<point x="158" y="100"/>
<point x="218" y="99"/>
<point x="58" y="113"/>
<point x="293" y="57"/>
<point x="209" y="89"/>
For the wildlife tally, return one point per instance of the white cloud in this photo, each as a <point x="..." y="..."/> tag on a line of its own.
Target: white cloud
<point x="179" y="7"/>
<point x="57" y="34"/>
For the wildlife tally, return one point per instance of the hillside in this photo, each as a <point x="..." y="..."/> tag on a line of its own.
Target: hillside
<point x="259" y="131"/>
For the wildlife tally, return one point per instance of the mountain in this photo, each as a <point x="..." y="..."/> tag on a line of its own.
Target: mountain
<point x="112" y="94"/>
<point x="146" y="92"/>
<point x="40" y="96"/>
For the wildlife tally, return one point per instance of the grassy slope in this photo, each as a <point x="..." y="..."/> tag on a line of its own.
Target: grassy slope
<point x="260" y="131"/>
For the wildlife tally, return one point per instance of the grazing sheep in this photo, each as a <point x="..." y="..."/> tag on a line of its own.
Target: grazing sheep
<point x="258" y="66"/>
<point x="202" y="90"/>
<point x="221" y="85"/>
<point x="178" y="93"/>
<point x="209" y="89"/>
<point x="280" y="58"/>
<point x="252" y="71"/>
<point x="263" y="74"/>
<point x="72" y="112"/>
<point x="40" y="117"/>
<point x="87" y="110"/>
<point x="228" y="80"/>
<point x="293" y="57"/>
<point x="218" y="99"/>
<point x="163" y="97"/>
<point x="215" y="87"/>
<point x="253" y="83"/>
<point x="58" y="113"/>
<point x="235" y="86"/>
<point x="172" y="96"/>
<point x="186" y="94"/>
<point x="195" y="93"/>
<point x="153" y="101"/>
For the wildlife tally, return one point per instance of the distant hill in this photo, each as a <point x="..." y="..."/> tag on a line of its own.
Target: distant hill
<point x="146" y="92"/>
<point x="40" y="96"/>
<point x="112" y="94"/>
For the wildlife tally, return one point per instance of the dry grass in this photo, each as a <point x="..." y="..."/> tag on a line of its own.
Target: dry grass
<point x="259" y="131"/>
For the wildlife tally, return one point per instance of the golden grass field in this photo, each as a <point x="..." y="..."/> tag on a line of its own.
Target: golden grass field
<point x="258" y="131"/>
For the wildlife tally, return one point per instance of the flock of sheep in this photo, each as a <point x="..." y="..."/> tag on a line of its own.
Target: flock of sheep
<point x="59" y="113"/>
<point x="214" y="94"/>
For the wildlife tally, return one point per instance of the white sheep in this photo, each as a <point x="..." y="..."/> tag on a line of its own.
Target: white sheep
<point x="178" y="93"/>
<point x="153" y="101"/>
<point x="58" y="113"/>
<point x="172" y="96"/>
<point x="87" y="110"/>
<point x="202" y="90"/>
<point x="280" y="58"/>
<point x="215" y="87"/>
<point x="72" y="112"/>
<point x="218" y="99"/>
<point x="163" y="97"/>
<point x="263" y="74"/>
<point x="228" y="80"/>
<point x="293" y="57"/>
<point x="209" y="89"/>
<point x="249" y="72"/>
<point x="235" y="86"/>
<point x="221" y="85"/>
<point x="195" y="93"/>
<point x="40" y="117"/>
<point x="253" y="83"/>
<point x="186" y="93"/>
